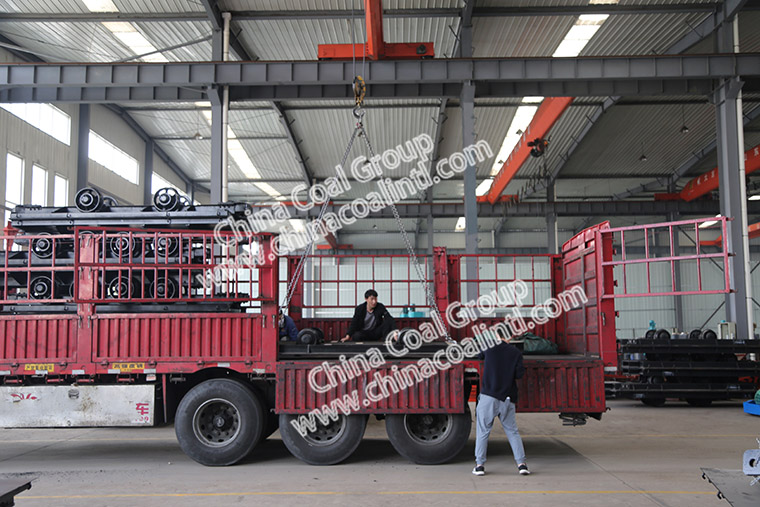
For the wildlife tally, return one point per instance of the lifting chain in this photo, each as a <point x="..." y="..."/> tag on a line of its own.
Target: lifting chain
<point x="434" y="313"/>
<point x="358" y="112"/>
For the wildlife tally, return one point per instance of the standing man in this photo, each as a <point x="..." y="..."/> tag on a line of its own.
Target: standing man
<point x="371" y="320"/>
<point x="498" y="396"/>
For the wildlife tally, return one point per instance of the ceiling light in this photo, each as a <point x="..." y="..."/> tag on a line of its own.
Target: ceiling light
<point x="484" y="186"/>
<point x="297" y="224"/>
<point x="521" y="120"/>
<point x="100" y="6"/>
<point x="460" y="224"/>
<point x="684" y="128"/>
<point x="705" y="225"/>
<point x="643" y="157"/>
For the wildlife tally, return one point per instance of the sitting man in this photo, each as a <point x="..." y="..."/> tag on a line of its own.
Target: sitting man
<point x="371" y="321"/>
<point x="288" y="329"/>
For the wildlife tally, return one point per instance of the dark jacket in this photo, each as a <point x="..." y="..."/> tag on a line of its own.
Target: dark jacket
<point x="289" y="329"/>
<point x="503" y="366"/>
<point x="382" y="316"/>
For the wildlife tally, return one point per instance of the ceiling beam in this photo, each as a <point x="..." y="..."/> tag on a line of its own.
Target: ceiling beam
<point x="513" y="77"/>
<point x="269" y="15"/>
<point x="308" y="176"/>
<point x="536" y="209"/>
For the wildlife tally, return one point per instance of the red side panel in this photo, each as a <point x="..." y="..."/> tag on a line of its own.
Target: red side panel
<point x="442" y="393"/>
<point x="562" y="385"/>
<point x="590" y="328"/>
<point x="38" y="338"/>
<point x="177" y="337"/>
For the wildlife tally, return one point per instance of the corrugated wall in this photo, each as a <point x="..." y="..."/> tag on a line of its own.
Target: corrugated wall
<point x="37" y="148"/>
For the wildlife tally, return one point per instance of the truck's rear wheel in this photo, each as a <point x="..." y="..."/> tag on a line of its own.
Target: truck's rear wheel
<point x="329" y="444"/>
<point x="429" y="439"/>
<point x="219" y="422"/>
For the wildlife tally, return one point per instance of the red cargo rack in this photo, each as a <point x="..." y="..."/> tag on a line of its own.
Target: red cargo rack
<point x="166" y="266"/>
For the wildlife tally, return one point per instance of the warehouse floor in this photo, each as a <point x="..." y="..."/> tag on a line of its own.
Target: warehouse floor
<point x="636" y="455"/>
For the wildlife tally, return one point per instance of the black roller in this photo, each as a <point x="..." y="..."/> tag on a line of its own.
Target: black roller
<point x="121" y="245"/>
<point x="166" y="246"/>
<point x="308" y="336"/>
<point x="167" y="199"/>
<point x="43" y="247"/>
<point x="109" y="202"/>
<point x="696" y="334"/>
<point x="41" y="287"/>
<point x="163" y="288"/>
<point x="118" y="288"/>
<point x="320" y="335"/>
<point x="184" y="202"/>
<point x="88" y="200"/>
<point x="650" y="334"/>
<point x="710" y="335"/>
<point x="663" y="334"/>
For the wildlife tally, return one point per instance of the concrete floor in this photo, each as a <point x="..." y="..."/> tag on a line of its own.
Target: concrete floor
<point x="635" y="456"/>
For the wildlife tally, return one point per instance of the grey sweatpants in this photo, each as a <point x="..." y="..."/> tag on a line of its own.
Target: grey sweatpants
<point x="487" y="410"/>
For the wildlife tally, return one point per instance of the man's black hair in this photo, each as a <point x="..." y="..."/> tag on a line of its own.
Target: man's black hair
<point x="370" y="292"/>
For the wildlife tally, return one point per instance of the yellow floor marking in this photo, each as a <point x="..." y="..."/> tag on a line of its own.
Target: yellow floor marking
<point x="363" y="493"/>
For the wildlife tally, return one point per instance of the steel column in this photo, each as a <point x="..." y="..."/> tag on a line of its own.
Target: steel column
<point x="83" y="146"/>
<point x="467" y="103"/>
<point x="732" y="191"/>
<point x="552" y="241"/>
<point x="148" y="173"/>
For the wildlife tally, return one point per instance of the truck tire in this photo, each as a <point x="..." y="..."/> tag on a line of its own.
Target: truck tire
<point x="328" y="445"/>
<point x="429" y="439"/>
<point x="219" y="422"/>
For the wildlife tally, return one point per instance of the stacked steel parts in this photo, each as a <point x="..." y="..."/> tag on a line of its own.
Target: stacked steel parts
<point x="130" y="258"/>
<point x="699" y="369"/>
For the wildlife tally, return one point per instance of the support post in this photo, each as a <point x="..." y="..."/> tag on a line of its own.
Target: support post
<point x="551" y="220"/>
<point x="733" y="192"/>
<point x="467" y="103"/>
<point x="83" y="146"/>
<point x="676" y="244"/>
<point x="148" y="173"/>
<point x="217" y="145"/>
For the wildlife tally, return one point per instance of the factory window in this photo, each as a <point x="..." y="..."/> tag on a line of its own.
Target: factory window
<point x="158" y="182"/>
<point x="113" y="159"/>
<point x="60" y="191"/>
<point x="45" y="117"/>
<point x="14" y="184"/>
<point x="39" y="185"/>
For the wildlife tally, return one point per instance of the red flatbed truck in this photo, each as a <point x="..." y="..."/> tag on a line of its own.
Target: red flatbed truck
<point x="86" y="359"/>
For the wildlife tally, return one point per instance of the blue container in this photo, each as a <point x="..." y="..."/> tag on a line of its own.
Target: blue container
<point x="751" y="407"/>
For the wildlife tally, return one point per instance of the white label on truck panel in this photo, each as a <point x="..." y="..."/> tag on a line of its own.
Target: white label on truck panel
<point x="64" y="406"/>
<point x="223" y="365"/>
<point x="5" y="372"/>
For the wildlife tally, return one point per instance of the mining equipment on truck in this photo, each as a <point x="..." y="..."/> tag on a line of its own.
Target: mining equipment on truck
<point x="106" y="323"/>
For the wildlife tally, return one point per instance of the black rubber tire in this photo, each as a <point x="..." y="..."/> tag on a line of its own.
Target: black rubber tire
<point x="430" y="450"/>
<point x="650" y="334"/>
<point x="248" y="415"/>
<point x="699" y="402"/>
<point x="330" y="452"/>
<point x="663" y="334"/>
<point x="710" y="335"/>
<point x="696" y="334"/>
